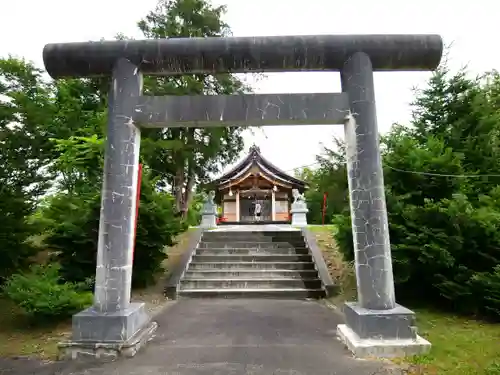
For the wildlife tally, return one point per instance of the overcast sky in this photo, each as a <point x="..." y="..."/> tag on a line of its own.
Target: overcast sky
<point x="27" y="25"/>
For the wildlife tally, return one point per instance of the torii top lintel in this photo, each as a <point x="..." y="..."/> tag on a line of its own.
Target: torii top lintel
<point x="177" y="56"/>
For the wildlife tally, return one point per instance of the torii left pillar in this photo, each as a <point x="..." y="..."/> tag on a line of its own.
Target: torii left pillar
<point x="114" y="326"/>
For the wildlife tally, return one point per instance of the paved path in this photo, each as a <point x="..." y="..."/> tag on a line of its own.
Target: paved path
<point x="235" y="337"/>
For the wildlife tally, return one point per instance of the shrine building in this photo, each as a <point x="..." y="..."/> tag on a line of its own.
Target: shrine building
<point x="255" y="181"/>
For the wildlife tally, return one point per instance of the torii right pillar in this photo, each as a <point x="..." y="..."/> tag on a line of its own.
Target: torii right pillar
<point x="375" y="325"/>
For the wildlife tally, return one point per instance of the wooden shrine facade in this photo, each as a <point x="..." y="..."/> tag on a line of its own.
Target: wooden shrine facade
<point x="256" y="182"/>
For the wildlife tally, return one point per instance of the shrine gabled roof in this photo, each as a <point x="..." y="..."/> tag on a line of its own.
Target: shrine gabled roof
<point x="255" y="158"/>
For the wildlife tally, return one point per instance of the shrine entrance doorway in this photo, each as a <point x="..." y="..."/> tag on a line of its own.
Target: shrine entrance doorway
<point x="249" y="202"/>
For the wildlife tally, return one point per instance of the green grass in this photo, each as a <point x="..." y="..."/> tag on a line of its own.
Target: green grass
<point x="460" y="346"/>
<point x="321" y="228"/>
<point x="17" y="338"/>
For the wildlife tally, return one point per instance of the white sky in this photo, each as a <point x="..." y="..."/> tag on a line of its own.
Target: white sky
<point x="27" y="25"/>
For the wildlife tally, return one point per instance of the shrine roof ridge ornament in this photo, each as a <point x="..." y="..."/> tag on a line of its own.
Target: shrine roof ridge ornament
<point x="178" y="56"/>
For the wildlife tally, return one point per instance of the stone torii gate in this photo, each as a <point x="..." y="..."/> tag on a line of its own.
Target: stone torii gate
<point x="375" y="324"/>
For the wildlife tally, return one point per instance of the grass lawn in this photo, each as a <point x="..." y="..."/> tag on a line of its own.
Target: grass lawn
<point x="18" y="339"/>
<point x="341" y="272"/>
<point x="321" y="228"/>
<point x="460" y="346"/>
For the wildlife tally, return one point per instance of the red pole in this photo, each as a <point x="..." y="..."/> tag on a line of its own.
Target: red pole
<point x="324" y="206"/>
<point x="137" y="201"/>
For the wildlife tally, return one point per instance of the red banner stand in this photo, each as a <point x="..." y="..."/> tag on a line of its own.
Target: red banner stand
<point x="137" y="201"/>
<point x="324" y="207"/>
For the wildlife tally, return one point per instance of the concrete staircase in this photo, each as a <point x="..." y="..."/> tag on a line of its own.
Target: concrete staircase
<point x="230" y="264"/>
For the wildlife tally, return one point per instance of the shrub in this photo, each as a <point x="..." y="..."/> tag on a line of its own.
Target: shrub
<point x="444" y="253"/>
<point x="42" y="296"/>
<point x="73" y="226"/>
<point x="194" y="213"/>
<point x="157" y="227"/>
<point x="72" y="223"/>
<point x="486" y="286"/>
<point x="15" y="250"/>
<point x="343" y="234"/>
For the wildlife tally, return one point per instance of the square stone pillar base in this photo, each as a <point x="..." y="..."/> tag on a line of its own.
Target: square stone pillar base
<point x="299" y="215"/>
<point x="208" y="221"/>
<point x="381" y="333"/>
<point x="108" y="335"/>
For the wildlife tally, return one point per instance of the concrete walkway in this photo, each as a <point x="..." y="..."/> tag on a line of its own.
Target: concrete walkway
<point x="234" y="337"/>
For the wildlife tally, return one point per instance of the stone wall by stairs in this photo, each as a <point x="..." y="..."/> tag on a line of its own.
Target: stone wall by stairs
<point x="230" y="264"/>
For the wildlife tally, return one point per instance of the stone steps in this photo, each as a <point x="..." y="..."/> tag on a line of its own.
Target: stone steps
<point x="251" y="273"/>
<point x="252" y="258"/>
<point x="251" y="283"/>
<point x="251" y="251"/>
<point x="253" y="234"/>
<point x="281" y="293"/>
<point x="255" y="238"/>
<point x="251" y="265"/>
<point x="251" y="244"/>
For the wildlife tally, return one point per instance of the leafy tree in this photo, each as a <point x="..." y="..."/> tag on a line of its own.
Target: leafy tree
<point x="25" y="116"/>
<point x="328" y="177"/>
<point x="187" y="157"/>
<point x="24" y="113"/>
